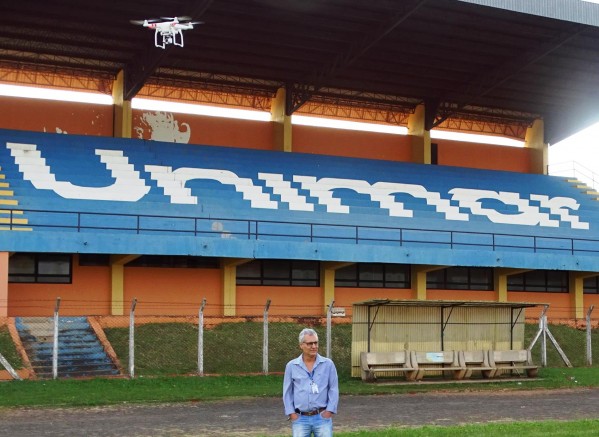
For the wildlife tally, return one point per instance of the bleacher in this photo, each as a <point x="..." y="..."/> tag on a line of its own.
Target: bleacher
<point x="188" y="199"/>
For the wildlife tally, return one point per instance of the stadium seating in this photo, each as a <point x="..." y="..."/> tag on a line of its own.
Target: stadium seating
<point x="132" y="187"/>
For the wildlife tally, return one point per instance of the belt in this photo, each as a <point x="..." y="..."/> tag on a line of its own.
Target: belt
<point x="311" y="413"/>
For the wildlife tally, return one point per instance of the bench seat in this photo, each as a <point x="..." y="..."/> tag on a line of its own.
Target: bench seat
<point x="476" y="361"/>
<point x="512" y="361"/>
<point x="373" y="363"/>
<point x="434" y="362"/>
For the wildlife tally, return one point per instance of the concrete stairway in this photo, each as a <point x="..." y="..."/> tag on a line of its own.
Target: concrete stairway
<point x="80" y="353"/>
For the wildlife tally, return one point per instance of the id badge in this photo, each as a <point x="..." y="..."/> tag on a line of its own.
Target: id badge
<point x="314" y="387"/>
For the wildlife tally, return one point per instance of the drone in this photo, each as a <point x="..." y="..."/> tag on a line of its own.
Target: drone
<point x="168" y="30"/>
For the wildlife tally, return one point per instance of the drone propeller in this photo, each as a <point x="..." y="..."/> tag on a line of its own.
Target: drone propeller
<point x="183" y="18"/>
<point x="149" y="20"/>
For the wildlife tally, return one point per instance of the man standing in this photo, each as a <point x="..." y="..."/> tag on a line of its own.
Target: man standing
<point x="310" y="390"/>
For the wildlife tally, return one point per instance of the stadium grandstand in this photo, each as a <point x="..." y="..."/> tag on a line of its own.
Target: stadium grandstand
<point x="103" y="203"/>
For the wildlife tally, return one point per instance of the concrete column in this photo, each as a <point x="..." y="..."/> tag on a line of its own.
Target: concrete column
<point x="123" y="115"/>
<point x="500" y="282"/>
<point x="327" y="280"/>
<point x="229" y="291"/>
<point x="420" y="138"/>
<point x="418" y="276"/>
<point x="281" y="122"/>
<point x="576" y="290"/>
<point x="535" y="140"/>
<point x="4" y="256"/>
<point x="117" y="276"/>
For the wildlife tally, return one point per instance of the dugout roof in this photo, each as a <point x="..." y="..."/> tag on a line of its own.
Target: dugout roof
<point x="506" y="65"/>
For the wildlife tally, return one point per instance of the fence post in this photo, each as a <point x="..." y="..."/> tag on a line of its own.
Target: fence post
<point x="265" y="340"/>
<point x="329" y="336"/>
<point x="55" y="341"/>
<point x="132" y="339"/>
<point x="9" y="368"/>
<point x="201" y="339"/>
<point x="589" y="348"/>
<point x="543" y="324"/>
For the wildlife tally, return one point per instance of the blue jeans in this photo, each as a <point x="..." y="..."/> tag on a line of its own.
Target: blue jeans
<point x="304" y="426"/>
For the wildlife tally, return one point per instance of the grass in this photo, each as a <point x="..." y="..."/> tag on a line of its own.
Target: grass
<point x="229" y="348"/>
<point x="104" y="391"/>
<point x="578" y="428"/>
<point x="234" y="348"/>
<point x="8" y="350"/>
<point x="167" y="349"/>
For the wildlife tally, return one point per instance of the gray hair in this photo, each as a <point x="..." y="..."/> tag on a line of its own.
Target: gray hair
<point x="307" y="331"/>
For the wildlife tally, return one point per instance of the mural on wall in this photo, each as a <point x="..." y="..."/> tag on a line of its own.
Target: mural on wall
<point x="162" y="126"/>
<point x="57" y="130"/>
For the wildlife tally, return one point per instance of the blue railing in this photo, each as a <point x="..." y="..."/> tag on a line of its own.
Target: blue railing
<point x="78" y="221"/>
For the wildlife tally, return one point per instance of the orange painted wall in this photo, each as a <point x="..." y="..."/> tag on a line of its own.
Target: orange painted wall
<point x="484" y="156"/>
<point x="89" y="294"/>
<point x="355" y="144"/>
<point x="3" y="284"/>
<point x="55" y="117"/>
<point x="168" y="291"/>
<point x="591" y="299"/>
<point x="466" y="295"/>
<point x="198" y="129"/>
<point x="345" y="297"/>
<point x="296" y="301"/>
<point x="559" y="304"/>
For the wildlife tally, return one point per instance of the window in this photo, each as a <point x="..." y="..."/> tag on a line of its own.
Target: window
<point x="174" y="261"/>
<point x="373" y="275"/>
<point x="460" y="278"/>
<point x="544" y="281"/>
<point x="94" y="259"/>
<point x="46" y="268"/>
<point x="279" y="272"/>
<point x="591" y="285"/>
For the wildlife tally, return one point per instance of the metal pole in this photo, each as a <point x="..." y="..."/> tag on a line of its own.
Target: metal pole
<point x="265" y="340"/>
<point x="55" y="341"/>
<point x="201" y="339"/>
<point x="132" y="339"/>
<point x="544" y="340"/>
<point x="329" y="312"/>
<point x="589" y="348"/>
<point x="9" y="368"/>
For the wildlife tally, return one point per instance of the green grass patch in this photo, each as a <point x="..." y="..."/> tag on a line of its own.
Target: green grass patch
<point x="578" y="428"/>
<point x="229" y="348"/>
<point x="572" y="341"/>
<point x="8" y="349"/>
<point x="105" y="391"/>
<point x="166" y="366"/>
<point x="236" y="348"/>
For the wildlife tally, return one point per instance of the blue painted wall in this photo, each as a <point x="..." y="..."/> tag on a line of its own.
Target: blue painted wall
<point x="105" y="195"/>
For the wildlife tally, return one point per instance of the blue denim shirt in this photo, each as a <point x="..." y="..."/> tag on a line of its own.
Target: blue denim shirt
<point x="297" y="392"/>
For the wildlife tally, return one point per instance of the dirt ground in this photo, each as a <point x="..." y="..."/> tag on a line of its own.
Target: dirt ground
<point x="264" y="416"/>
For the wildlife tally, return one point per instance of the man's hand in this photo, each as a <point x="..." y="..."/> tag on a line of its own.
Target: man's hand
<point x="293" y="416"/>
<point x="326" y="414"/>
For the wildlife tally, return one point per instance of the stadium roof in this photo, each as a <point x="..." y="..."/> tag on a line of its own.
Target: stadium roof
<point x="514" y="62"/>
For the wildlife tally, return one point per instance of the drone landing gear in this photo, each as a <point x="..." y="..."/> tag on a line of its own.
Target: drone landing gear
<point x="169" y="37"/>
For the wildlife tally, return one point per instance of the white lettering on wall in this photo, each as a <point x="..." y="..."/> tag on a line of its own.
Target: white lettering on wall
<point x="128" y="186"/>
<point x="245" y="186"/>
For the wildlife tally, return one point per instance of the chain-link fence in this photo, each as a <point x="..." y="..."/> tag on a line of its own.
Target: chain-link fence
<point x="156" y="345"/>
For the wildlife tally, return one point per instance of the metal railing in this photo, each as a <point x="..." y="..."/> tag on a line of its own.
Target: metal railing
<point x="312" y="232"/>
<point x="575" y="170"/>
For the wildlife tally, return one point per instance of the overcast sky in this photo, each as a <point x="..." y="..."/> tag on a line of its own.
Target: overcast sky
<point x="577" y="155"/>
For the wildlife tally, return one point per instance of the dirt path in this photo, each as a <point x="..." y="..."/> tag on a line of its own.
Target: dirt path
<point x="264" y="417"/>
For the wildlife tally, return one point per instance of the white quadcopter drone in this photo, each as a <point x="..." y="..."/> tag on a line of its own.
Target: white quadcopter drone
<point x="168" y="30"/>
